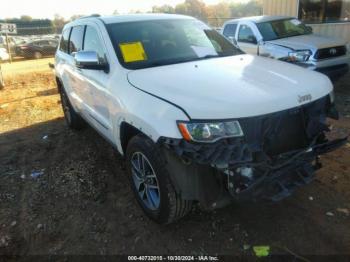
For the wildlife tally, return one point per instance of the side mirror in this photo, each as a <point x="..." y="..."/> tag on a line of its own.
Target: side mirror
<point x="261" y="42"/>
<point x="89" y="60"/>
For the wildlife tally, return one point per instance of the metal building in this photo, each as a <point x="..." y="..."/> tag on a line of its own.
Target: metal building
<point x="327" y="17"/>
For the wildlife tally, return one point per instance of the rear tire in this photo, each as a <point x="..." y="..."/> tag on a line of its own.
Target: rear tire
<point x="73" y="119"/>
<point x="170" y="206"/>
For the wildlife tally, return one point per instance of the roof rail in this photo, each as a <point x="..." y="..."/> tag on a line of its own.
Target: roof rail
<point x="89" y="16"/>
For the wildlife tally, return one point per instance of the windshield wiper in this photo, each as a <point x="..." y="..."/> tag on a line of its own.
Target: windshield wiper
<point x="179" y="61"/>
<point x="169" y="62"/>
<point x="209" y="56"/>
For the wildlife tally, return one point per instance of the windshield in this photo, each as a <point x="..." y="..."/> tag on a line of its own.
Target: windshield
<point x="282" y="28"/>
<point x="152" y="43"/>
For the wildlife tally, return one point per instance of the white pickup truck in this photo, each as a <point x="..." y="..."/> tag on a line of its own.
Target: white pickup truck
<point x="195" y="118"/>
<point x="288" y="39"/>
<point x="4" y="56"/>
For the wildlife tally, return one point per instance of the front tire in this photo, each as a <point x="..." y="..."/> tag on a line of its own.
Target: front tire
<point x="72" y="118"/>
<point x="149" y="177"/>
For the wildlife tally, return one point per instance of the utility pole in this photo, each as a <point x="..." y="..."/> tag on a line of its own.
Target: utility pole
<point x="8" y="47"/>
<point x="2" y="83"/>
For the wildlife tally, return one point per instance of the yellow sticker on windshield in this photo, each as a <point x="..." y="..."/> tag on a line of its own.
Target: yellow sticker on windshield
<point x="133" y="52"/>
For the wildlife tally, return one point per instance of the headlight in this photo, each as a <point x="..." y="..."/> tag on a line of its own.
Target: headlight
<point x="299" y="56"/>
<point x="209" y="131"/>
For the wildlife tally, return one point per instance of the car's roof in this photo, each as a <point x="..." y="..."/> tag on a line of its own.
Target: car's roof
<point x="261" y="19"/>
<point x="132" y="17"/>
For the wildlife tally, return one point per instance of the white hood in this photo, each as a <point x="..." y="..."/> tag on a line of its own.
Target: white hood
<point x="311" y="42"/>
<point x="232" y="87"/>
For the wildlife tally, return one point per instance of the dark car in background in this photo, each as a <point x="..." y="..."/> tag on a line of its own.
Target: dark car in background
<point x="37" y="49"/>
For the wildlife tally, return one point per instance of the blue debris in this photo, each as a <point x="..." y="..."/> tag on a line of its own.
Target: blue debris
<point x="36" y="174"/>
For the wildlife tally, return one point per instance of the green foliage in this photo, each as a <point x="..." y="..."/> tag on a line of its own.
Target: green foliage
<point x="167" y="9"/>
<point x="215" y="15"/>
<point x="58" y="23"/>
<point x="251" y="8"/>
<point x="26" y="18"/>
<point x="195" y="8"/>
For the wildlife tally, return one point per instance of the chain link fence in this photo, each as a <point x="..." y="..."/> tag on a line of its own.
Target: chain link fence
<point x="27" y="53"/>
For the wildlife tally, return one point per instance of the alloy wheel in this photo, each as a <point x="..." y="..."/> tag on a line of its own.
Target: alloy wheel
<point x="145" y="181"/>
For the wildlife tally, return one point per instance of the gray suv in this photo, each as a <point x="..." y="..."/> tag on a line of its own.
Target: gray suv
<point x="288" y="39"/>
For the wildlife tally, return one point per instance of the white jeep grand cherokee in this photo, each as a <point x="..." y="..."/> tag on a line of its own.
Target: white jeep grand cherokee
<point x="194" y="117"/>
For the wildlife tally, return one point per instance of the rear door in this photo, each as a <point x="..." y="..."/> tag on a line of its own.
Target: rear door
<point x="247" y="40"/>
<point x="78" y="91"/>
<point x="61" y="65"/>
<point x="61" y="60"/>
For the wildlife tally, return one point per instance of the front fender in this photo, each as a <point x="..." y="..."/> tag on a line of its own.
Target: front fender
<point x="150" y="115"/>
<point x="274" y="51"/>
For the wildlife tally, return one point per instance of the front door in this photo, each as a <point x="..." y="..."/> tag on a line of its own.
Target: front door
<point x="95" y="81"/>
<point x="247" y="40"/>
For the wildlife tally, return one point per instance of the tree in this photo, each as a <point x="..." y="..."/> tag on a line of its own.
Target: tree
<point x="133" y="11"/>
<point x="182" y="9"/>
<point x="26" y="18"/>
<point x="58" y="22"/>
<point x="194" y="8"/>
<point x="215" y="15"/>
<point x="75" y="17"/>
<point x="168" y="9"/>
<point x="249" y="9"/>
<point x="219" y="13"/>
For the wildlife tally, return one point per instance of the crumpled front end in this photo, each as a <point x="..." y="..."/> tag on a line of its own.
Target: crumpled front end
<point x="278" y="153"/>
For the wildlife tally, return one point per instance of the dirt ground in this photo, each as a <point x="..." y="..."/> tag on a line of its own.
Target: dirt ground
<point x="65" y="192"/>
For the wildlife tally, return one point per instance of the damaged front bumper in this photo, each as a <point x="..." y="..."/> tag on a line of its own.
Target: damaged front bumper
<point x="279" y="180"/>
<point x="278" y="153"/>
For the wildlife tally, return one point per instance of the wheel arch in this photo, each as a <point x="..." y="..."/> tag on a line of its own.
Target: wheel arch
<point x="59" y="83"/>
<point x="126" y="133"/>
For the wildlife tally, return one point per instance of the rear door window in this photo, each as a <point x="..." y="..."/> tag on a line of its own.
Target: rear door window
<point x="230" y="30"/>
<point x="76" y="39"/>
<point x="64" y="40"/>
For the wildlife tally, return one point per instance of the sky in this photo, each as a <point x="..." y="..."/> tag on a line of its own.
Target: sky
<point x="68" y="8"/>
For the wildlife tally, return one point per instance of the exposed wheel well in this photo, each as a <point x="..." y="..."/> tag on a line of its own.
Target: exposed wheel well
<point x="59" y="84"/>
<point x="127" y="132"/>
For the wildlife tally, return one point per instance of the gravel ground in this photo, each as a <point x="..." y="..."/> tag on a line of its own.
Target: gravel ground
<point x="65" y="192"/>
